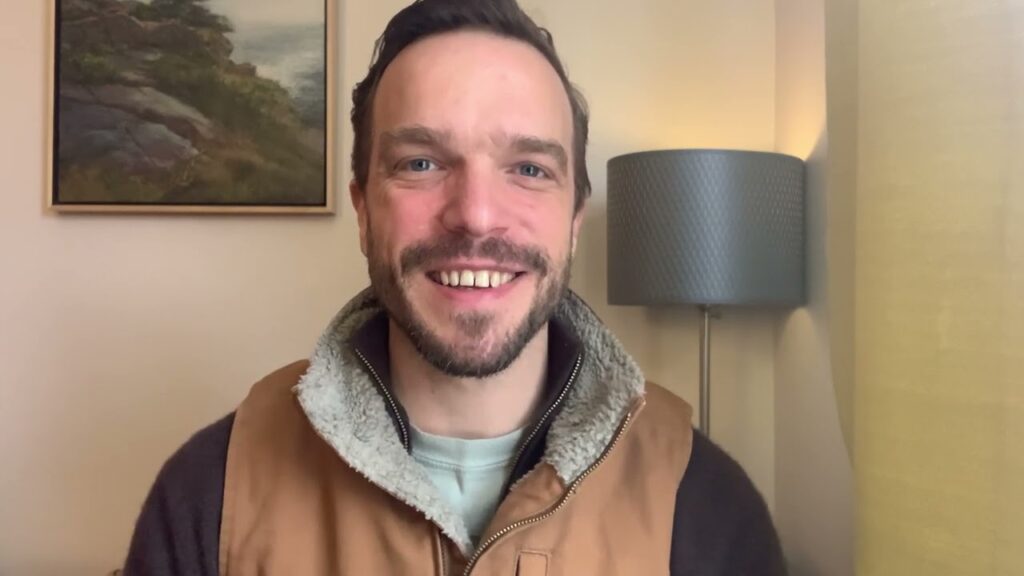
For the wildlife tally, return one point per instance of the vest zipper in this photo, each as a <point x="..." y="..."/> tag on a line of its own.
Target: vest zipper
<point x="562" y="501"/>
<point x="387" y="396"/>
<point x="547" y="414"/>
<point x="444" y="553"/>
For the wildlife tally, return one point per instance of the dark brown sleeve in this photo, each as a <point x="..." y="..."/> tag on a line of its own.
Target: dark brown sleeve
<point x="178" y="530"/>
<point x="722" y="525"/>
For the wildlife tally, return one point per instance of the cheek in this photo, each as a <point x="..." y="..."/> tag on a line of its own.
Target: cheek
<point x="549" y="226"/>
<point x="403" y="223"/>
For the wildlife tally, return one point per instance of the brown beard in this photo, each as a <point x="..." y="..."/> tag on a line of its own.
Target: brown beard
<point x="389" y="285"/>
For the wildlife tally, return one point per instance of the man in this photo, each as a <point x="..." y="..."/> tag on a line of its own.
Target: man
<point x="467" y="414"/>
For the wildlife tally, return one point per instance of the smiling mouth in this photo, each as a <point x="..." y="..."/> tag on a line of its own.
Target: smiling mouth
<point x="473" y="278"/>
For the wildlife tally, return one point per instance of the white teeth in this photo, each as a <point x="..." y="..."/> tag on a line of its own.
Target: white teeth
<point x="475" y="278"/>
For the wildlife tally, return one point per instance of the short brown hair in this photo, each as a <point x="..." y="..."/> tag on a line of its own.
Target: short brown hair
<point x="429" y="17"/>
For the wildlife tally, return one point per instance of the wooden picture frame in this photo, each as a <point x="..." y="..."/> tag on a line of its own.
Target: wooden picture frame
<point x="169" y="106"/>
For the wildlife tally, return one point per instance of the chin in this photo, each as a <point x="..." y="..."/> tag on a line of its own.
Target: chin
<point x="478" y="335"/>
<point x="471" y="345"/>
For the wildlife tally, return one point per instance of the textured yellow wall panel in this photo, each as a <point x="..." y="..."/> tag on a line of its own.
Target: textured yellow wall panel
<point x="939" y="314"/>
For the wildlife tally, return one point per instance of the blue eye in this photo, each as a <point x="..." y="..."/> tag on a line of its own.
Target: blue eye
<point x="420" y="165"/>
<point x="531" y="171"/>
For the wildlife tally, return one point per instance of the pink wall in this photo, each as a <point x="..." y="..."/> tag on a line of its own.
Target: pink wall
<point x="122" y="335"/>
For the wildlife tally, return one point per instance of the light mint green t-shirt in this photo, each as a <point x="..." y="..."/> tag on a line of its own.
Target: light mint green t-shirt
<point x="469" y="473"/>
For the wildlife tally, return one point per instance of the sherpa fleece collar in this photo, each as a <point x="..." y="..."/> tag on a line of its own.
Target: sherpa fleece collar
<point x="346" y="408"/>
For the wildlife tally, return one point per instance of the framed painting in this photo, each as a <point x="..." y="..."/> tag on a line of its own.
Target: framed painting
<point x="192" y="106"/>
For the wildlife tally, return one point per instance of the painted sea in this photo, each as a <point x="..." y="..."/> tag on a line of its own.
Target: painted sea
<point x="291" y="54"/>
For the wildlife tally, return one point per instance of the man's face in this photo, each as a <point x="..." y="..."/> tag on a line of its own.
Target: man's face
<point x="467" y="219"/>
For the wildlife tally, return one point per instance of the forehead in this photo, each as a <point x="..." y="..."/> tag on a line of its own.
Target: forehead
<point x="476" y="86"/>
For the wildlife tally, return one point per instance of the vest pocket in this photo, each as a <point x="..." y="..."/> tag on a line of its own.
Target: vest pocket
<point x="532" y="564"/>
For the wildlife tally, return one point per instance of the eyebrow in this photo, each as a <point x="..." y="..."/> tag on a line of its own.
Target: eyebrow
<point x="523" y="144"/>
<point x="417" y="135"/>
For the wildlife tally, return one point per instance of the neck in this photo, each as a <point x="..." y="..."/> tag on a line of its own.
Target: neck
<point x="445" y="405"/>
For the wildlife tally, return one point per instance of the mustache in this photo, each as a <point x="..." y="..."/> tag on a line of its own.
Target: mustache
<point x="499" y="250"/>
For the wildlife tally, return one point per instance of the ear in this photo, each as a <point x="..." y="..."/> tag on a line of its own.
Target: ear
<point x="358" y="196"/>
<point x="577" y="223"/>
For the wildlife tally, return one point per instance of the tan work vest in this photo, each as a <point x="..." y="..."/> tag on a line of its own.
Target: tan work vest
<point x="293" y="507"/>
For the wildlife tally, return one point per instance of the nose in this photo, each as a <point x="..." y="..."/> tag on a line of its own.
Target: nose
<point x="473" y="205"/>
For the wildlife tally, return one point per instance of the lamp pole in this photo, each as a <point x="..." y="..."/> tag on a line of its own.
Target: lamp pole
<point x="705" y="369"/>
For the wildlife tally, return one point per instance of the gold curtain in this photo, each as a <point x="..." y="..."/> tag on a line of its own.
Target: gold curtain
<point x="926" y="121"/>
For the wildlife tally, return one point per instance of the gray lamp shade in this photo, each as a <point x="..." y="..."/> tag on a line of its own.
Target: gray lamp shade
<point x="706" y="227"/>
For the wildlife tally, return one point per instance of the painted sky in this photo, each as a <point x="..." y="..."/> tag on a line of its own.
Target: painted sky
<point x="283" y="39"/>
<point x="244" y="13"/>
